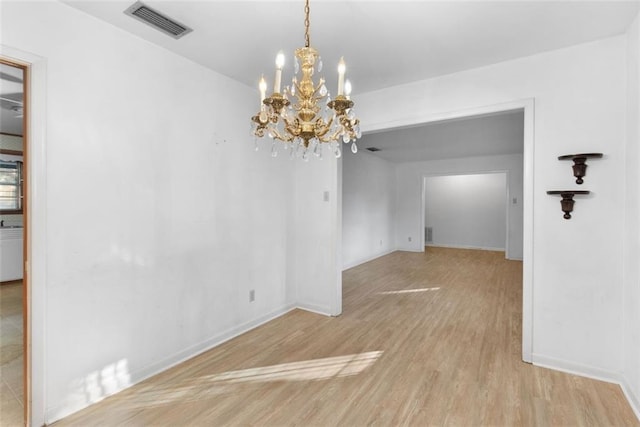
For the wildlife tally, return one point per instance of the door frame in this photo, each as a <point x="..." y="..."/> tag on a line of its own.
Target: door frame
<point x="25" y="232"/>
<point x="34" y="277"/>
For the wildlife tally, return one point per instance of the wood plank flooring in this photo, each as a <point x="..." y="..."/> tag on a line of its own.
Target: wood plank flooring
<point x="424" y="340"/>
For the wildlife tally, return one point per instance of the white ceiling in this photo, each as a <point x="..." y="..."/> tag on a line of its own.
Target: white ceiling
<point x="384" y="43"/>
<point x="11" y="89"/>
<point x="487" y="135"/>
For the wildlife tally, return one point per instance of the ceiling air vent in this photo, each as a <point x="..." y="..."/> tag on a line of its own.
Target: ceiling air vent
<point x="373" y="149"/>
<point x="157" y="20"/>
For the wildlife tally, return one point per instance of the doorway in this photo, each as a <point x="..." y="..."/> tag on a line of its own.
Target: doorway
<point x="409" y="226"/>
<point x="467" y="211"/>
<point x="14" y="284"/>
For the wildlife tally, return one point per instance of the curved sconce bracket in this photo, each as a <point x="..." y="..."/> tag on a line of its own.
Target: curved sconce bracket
<point x="579" y="163"/>
<point x="567" y="201"/>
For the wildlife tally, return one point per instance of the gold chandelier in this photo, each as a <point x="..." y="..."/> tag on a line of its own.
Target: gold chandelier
<point x="304" y="125"/>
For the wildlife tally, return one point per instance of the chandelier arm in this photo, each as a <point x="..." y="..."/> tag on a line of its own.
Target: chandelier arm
<point x="333" y="137"/>
<point x="277" y="135"/>
<point x="321" y="128"/>
<point x="292" y="129"/>
<point x="330" y="122"/>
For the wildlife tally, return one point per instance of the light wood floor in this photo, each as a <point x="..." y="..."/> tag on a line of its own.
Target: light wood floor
<point x="11" y="385"/>
<point x="424" y="340"/>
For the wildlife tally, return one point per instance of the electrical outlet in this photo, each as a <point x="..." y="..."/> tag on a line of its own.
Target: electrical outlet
<point x="252" y="295"/>
<point x="409" y="238"/>
<point x="380" y="242"/>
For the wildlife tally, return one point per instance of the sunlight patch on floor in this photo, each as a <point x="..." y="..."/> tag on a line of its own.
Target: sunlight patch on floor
<point x="206" y="386"/>
<point x="409" y="291"/>
<point x="318" y="369"/>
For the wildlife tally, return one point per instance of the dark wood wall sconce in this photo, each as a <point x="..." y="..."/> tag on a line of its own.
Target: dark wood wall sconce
<point x="579" y="163"/>
<point x="567" y="201"/>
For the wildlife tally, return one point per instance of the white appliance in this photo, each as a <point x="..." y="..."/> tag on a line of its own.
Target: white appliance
<point x="10" y="254"/>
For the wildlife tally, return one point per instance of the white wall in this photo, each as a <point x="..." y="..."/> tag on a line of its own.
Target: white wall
<point x="314" y="248"/>
<point x="409" y="194"/>
<point x="467" y="211"/>
<point x="160" y="217"/>
<point x="580" y="106"/>
<point x="631" y="295"/>
<point x="368" y="207"/>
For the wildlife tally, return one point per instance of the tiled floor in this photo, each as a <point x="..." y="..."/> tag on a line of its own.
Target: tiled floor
<point x="11" y="384"/>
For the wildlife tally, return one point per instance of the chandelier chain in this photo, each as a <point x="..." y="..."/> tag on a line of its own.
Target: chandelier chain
<point x="306" y="24"/>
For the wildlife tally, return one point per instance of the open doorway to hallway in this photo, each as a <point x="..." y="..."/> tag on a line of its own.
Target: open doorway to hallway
<point x="13" y="209"/>
<point x="383" y="189"/>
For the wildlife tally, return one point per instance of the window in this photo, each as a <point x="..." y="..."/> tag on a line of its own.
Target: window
<point x="10" y="186"/>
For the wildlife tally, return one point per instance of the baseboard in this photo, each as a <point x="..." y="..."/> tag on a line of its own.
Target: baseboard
<point x="575" y="368"/>
<point x="480" y="248"/>
<point x="590" y="372"/>
<point x="367" y="259"/>
<point x="63" y="410"/>
<point x="633" y="399"/>
<point x="313" y="308"/>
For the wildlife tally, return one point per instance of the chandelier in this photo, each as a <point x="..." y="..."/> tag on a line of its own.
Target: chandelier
<point x="313" y="118"/>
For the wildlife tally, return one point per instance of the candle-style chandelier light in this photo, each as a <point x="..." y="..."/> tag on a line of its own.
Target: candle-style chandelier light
<point x="313" y="118"/>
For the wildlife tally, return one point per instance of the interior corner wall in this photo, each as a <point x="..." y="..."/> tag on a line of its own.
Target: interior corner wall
<point x="409" y="195"/>
<point x="631" y="297"/>
<point x="160" y="216"/>
<point x="467" y="210"/>
<point x="580" y="106"/>
<point x="368" y="208"/>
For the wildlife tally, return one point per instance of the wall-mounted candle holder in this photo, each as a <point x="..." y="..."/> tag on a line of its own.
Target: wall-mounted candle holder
<point x="579" y="163"/>
<point x="567" y="201"/>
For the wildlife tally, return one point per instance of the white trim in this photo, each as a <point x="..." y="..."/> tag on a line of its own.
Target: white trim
<point x="477" y="248"/>
<point x="575" y="368"/>
<point x="590" y="372"/>
<point x="634" y="401"/>
<point x="507" y="207"/>
<point x="317" y="309"/>
<point x="367" y="259"/>
<point x="37" y="235"/>
<point x="446" y="115"/>
<point x="337" y="307"/>
<point x="410" y="249"/>
<point x="64" y="410"/>
<point x="527" y="238"/>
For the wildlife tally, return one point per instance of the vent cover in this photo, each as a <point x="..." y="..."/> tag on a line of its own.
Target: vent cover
<point x="157" y="20"/>
<point x="373" y="149"/>
<point x="428" y="235"/>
